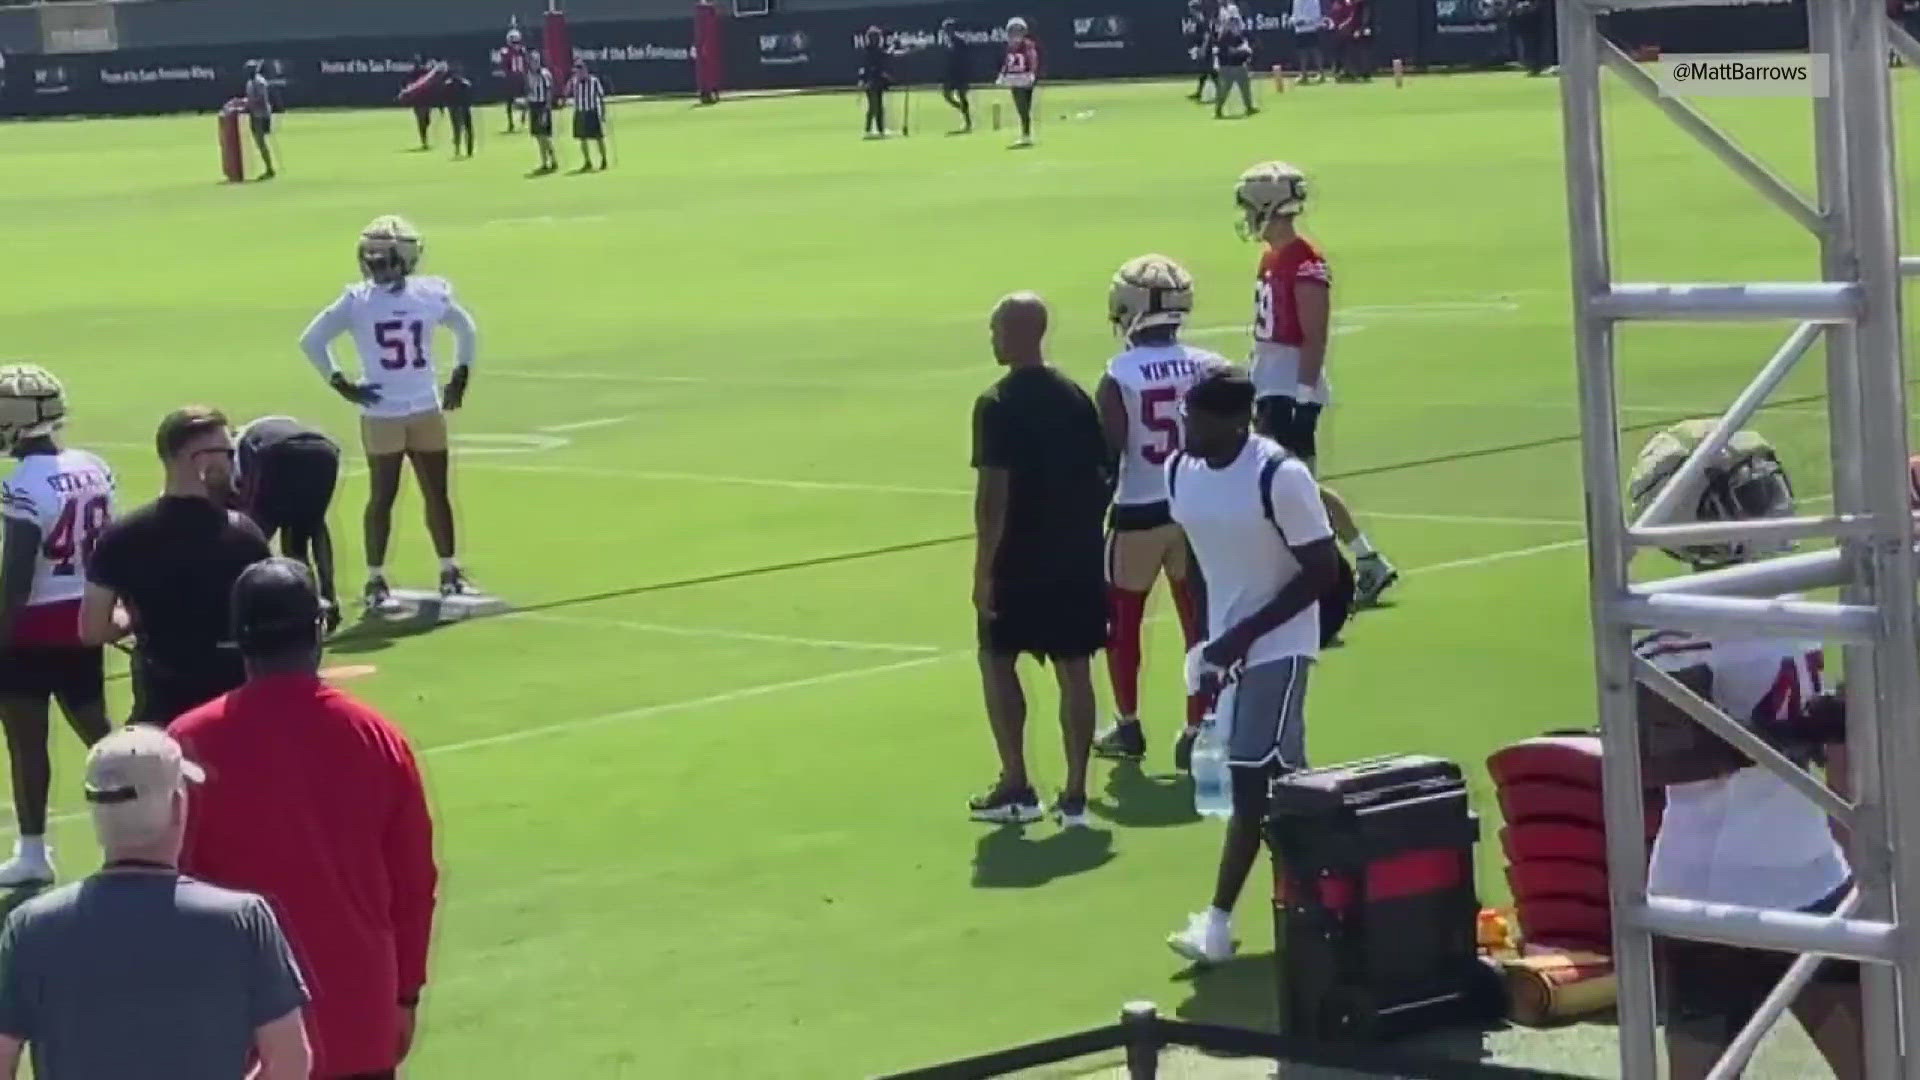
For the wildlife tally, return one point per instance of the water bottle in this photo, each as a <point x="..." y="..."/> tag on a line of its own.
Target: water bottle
<point x="1212" y="785"/>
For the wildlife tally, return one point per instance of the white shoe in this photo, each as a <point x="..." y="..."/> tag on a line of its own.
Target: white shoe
<point x="1204" y="941"/>
<point x="1022" y="142"/>
<point x="21" y="871"/>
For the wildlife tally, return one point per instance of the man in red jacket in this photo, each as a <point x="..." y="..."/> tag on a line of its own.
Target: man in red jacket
<point x="314" y="801"/>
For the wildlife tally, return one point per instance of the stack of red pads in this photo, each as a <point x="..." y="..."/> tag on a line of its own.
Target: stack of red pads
<point x="1555" y="840"/>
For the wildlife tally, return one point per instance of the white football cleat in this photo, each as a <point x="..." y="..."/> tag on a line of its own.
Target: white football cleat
<point x="1204" y="941"/>
<point x="24" y="870"/>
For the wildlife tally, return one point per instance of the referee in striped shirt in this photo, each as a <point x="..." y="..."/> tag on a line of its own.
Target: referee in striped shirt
<point x="540" y="112"/>
<point x="589" y="96"/>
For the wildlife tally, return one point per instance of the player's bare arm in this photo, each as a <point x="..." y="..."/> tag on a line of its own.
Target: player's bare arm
<point x="1319" y="570"/>
<point x="1674" y="748"/>
<point x="1196" y="587"/>
<point x="989" y="525"/>
<point x="102" y="620"/>
<point x="317" y="343"/>
<point x="1113" y="415"/>
<point x="11" y="1050"/>
<point x="17" y="565"/>
<point x="1314" y="301"/>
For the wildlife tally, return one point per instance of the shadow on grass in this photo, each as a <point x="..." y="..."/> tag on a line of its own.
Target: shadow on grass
<point x="1244" y="992"/>
<point x="1134" y="800"/>
<point x="1007" y="859"/>
<point x="373" y="634"/>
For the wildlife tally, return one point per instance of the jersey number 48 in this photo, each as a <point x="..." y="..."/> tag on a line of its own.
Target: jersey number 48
<point x="74" y="534"/>
<point x="1799" y="679"/>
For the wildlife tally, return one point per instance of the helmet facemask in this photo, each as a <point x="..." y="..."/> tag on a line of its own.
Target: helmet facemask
<point x="1745" y="482"/>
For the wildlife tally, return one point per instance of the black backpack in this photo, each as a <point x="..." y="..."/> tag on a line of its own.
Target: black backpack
<point x="1336" y="606"/>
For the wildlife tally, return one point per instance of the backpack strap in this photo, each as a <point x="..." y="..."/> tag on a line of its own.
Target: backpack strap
<point x="1267" y="471"/>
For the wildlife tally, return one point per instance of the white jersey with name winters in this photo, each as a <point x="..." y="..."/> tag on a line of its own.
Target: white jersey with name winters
<point x="1153" y="381"/>
<point x="1745" y="838"/>
<point x="68" y="496"/>
<point x="393" y="332"/>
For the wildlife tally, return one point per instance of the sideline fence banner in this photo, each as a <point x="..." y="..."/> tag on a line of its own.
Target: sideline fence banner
<point x="1079" y="39"/>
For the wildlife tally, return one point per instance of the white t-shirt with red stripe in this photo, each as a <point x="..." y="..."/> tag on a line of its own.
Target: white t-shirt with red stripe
<point x="68" y="497"/>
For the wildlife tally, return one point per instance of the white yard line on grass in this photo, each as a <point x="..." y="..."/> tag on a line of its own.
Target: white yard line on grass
<point x="767" y="689"/>
<point x="583" y="425"/>
<point x="1500" y="556"/>
<point x="645" y="711"/>
<point x="955" y="492"/>
<point x="724" y="635"/>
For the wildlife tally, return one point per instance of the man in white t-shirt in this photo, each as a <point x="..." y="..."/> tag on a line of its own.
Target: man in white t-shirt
<point x="1734" y="832"/>
<point x="1265" y="555"/>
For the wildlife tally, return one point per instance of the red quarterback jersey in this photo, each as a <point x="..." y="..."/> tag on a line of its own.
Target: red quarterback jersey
<point x="1276" y="318"/>
<point x="515" y="60"/>
<point x="1021" y="66"/>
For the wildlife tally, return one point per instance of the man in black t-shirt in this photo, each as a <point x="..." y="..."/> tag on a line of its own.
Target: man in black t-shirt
<point x="958" y="78"/>
<point x="457" y="93"/>
<point x="285" y="478"/>
<point x="166" y="571"/>
<point x="1039" y="576"/>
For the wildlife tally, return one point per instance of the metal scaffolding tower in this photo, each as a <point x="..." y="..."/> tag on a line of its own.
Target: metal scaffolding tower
<point x="1855" y="305"/>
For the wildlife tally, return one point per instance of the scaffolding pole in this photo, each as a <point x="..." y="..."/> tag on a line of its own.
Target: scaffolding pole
<point x="1854" y="308"/>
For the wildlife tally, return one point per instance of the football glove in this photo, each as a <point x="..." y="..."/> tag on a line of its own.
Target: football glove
<point x="358" y="393"/>
<point x="455" y="394"/>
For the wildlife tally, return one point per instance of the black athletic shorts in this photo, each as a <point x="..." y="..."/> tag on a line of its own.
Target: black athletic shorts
<point x="1047" y="618"/>
<point x="294" y="485"/>
<point x="539" y="118"/>
<point x="74" y="674"/>
<point x="262" y="123"/>
<point x="1278" y="419"/>
<point x="163" y="694"/>
<point x="587" y="125"/>
<point x="1713" y="990"/>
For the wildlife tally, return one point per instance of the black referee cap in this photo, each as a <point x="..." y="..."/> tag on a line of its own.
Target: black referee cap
<point x="1222" y="390"/>
<point x="276" y="605"/>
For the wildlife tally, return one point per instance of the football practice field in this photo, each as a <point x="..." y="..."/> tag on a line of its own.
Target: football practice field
<point x="701" y="799"/>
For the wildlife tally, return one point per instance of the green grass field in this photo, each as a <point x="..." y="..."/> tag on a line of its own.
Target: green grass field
<point x="701" y="809"/>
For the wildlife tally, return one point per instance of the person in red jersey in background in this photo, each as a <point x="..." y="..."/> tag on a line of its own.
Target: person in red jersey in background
<point x="1293" y="309"/>
<point x="55" y="504"/>
<point x="1020" y="73"/>
<point x="314" y="801"/>
<point x="513" y="69"/>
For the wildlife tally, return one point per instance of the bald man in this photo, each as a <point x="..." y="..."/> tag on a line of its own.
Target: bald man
<point x="1044" y="477"/>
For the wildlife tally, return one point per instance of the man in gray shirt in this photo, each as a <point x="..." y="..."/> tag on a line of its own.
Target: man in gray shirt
<point x="139" y="972"/>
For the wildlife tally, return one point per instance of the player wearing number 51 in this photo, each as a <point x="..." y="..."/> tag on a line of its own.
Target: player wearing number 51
<point x="55" y="503"/>
<point x="392" y="315"/>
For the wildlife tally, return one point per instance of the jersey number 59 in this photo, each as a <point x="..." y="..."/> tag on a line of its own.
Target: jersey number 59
<point x="74" y="534"/>
<point x="402" y="344"/>
<point x="1263" y="310"/>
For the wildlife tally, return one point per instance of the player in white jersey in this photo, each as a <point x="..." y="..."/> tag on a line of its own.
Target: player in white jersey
<point x="1734" y="832"/>
<point x="1140" y="400"/>
<point x="54" y="503"/>
<point x="392" y="315"/>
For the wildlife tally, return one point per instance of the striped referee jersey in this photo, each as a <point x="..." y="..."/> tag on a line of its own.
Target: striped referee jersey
<point x="540" y="86"/>
<point x="588" y="92"/>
